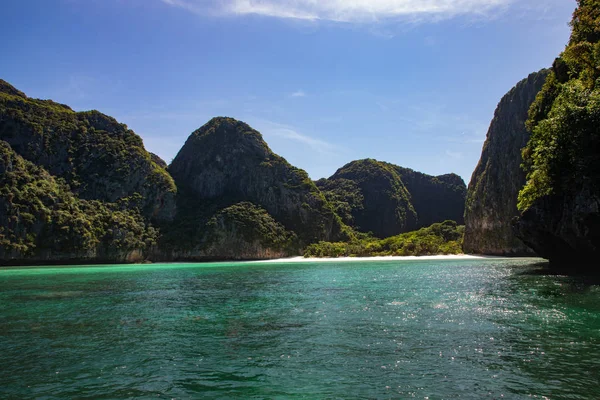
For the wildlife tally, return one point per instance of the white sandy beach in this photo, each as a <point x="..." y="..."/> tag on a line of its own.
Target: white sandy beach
<point x="383" y="258"/>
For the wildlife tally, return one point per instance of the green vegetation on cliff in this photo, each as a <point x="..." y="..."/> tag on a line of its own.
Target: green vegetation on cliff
<point x="41" y="219"/>
<point x="244" y="231"/>
<point x="99" y="158"/>
<point x="79" y="186"/>
<point x="440" y="238"/>
<point x="561" y="217"/>
<point x="226" y="162"/>
<point x="76" y="186"/>
<point x="385" y="199"/>
<point x="492" y="194"/>
<point x="385" y="209"/>
<point x="563" y="154"/>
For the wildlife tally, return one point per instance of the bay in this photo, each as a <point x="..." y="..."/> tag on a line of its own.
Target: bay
<point x="436" y="329"/>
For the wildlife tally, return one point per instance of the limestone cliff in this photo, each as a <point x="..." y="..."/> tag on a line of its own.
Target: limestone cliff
<point x="43" y="222"/>
<point x="492" y="194"/>
<point x="99" y="158"/>
<point x="226" y="162"/>
<point x="242" y="231"/>
<point x="561" y="199"/>
<point x="435" y="198"/>
<point x="385" y="199"/>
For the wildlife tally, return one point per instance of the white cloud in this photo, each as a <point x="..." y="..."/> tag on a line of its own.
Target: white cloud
<point x="316" y="144"/>
<point x="270" y="128"/>
<point x="454" y="155"/>
<point x="298" y="93"/>
<point x="344" y="10"/>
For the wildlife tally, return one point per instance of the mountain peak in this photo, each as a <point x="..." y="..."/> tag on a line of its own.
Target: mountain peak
<point x="7" y="88"/>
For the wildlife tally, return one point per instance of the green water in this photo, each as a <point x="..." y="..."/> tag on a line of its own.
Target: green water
<point x="424" y="329"/>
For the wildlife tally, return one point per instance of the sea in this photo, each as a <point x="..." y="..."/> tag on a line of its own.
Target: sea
<point x="398" y="329"/>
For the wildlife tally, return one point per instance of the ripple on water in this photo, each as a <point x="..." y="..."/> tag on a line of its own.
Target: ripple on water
<point x="460" y="329"/>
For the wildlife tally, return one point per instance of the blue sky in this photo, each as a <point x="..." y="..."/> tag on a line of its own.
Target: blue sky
<point x="411" y="82"/>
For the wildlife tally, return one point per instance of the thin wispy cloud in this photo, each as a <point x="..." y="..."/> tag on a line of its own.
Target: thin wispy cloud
<point x="298" y="93"/>
<point x="270" y="128"/>
<point x="345" y="10"/>
<point x="454" y="154"/>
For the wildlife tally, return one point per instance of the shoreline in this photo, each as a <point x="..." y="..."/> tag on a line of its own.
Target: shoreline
<point x="288" y="260"/>
<point x="444" y="257"/>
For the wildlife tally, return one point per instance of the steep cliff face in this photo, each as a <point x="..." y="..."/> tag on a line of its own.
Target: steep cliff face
<point x="98" y="157"/>
<point x="226" y="162"/>
<point x="560" y="202"/>
<point x="42" y="222"/>
<point x="564" y="229"/>
<point x="378" y="197"/>
<point x="242" y="231"/>
<point x="435" y="198"/>
<point x="80" y="187"/>
<point x="492" y="194"/>
<point x="385" y="209"/>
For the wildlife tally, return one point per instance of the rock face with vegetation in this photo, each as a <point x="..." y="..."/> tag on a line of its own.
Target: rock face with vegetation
<point x="245" y="231"/>
<point x="42" y="221"/>
<point x="435" y="198"/>
<point x="439" y="238"/>
<point x="79" y="187"/>
<point x="561" y="200"/>
<point x="385" y="199"/>
<point x="75" y="186"/>
<point x="492" y="195"/>
<point x="99" y="158"/>
<point x="227" y="163"/>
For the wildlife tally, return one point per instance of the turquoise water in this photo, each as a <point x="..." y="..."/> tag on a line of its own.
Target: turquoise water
<point x="424" y="329"/>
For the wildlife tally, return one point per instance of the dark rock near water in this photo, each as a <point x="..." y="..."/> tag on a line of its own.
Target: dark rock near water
<point x="385" y="199"/>
<point x="561" y="199"/>
<point x="43" y="222"/>
<point x="564" y="229"/>
<point x="242" y="231"/>
<point x="435" y="198"/>
<point x="492" y="194"/>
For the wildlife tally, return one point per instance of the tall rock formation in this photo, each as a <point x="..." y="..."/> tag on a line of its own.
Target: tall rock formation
<point x="79" y="187"/>
<point x="43" y="222"/>
<point x="492" y="194"/>
<point x="226" y="162"/>
<point x="561" y="200"/>
<point x="385" y="199"/>
<point x="75" y="187"/>
<point x="98" y="157"/>
<point x="435" y="198"/>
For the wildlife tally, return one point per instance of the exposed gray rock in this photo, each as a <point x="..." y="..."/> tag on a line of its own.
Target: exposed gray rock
<point x="564" y="229"/>
<point x="100" y="158"/>
<point x="227" y="162"/>
<point x="496" y="182"/>
<point x="385" y="199"/>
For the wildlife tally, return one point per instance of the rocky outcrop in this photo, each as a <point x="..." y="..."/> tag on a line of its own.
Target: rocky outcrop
<point x="385" y="209"/>
<point x="80" y="187"/>
<point x="385" y="199"/>
<point x="495" y="184"/>
<point x="435" y="198"/>
<point x="242" y="231"/>
<point x="99" y="158"/>
<point x="226" y="162"/>
<point x="560" y="201"/>
<point x="43" y="222"/>
<point x="564" y="229"/>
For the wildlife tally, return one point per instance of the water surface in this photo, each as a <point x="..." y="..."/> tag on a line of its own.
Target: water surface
<point x="467" y="329"/>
